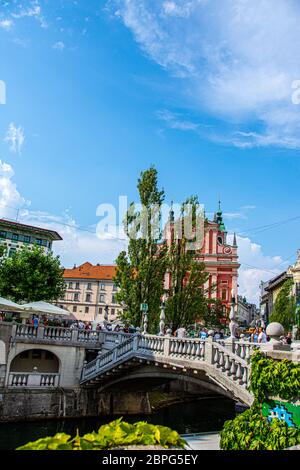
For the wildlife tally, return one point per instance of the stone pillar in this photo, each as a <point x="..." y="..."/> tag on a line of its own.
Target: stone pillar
<point x="275" y="331"/>
<point x="208" y="351"/>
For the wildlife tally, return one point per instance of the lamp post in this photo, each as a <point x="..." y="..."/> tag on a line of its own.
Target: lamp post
<point x="232" y="325"/>
<point x="162" y="319"/>
<point x="105" y="316"/>
<point x="144" y="310"/>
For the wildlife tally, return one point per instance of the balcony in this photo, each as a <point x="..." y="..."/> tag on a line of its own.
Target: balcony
<point x="33" y="380"/>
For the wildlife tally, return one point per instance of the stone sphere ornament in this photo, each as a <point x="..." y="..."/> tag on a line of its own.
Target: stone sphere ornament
<point x="275" y="331"/>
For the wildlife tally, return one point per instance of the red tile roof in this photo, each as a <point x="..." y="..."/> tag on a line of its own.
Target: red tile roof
<point x="89" y="271"/>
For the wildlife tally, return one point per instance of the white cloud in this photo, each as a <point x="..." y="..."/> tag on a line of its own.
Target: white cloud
<point x="237" y="60"/>
<point x="15" y="137"/>
<point x="255" y="267"/>
<point x="32" y="10"/>
<point x="10" y="198"/>
<point x="175" y="121"/>
<point x="59" y="46"/>
<point x="6" y="24"/>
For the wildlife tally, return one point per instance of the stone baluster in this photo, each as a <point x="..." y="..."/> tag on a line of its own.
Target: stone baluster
<point x="233" y="367"/>
<point x="238" y="374"/>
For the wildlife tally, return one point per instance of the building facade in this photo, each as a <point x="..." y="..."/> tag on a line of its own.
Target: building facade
<point x="89" y="290"/>
<point x="270" y="289"/>
<point x="14" y="236"/>
<point x="220" y="259"/>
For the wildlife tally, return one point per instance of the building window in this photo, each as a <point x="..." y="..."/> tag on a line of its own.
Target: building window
<point x="74" y="308"/>
<point x="26" y="239"/>
<point x="70" y="285"/>
<point x="76" y="297"/>
<point x="39" y="241"/>
<point x="88" y="298"/>
<point x="77" y="285"/>
<point x="112" y="311"/>
<point x="3" y="234"/>
<point x="100" y="311"/>
<point x="115" y="288"/>
<point x="224" y="294"/>
<point x="87" y="309"/>
<point x="113" y="299"/>
<point x="220" y="240"/>
<point x="15" y="237"/>
<point x="89" y="286"/>
<point x="102" y="286"/>
<point x="102" y="298"/>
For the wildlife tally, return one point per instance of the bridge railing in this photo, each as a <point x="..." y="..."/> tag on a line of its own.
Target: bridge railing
<point x="67" y="335"/>
<point x="242" y="349"/>
<point x="230" y="364"/>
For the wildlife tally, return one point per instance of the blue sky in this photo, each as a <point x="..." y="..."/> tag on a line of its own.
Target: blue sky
<point x="96" y="91"/>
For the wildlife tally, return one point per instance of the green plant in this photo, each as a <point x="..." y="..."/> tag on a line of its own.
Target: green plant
<point x="115" y="434"/>
<point x="273" y="378"/>
<point x="251" y="431"/>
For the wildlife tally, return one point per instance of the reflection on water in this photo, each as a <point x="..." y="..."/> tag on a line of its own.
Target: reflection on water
<point x="194" y="417"/>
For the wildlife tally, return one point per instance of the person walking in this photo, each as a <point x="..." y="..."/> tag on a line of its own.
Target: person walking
<point x="262" y="337"/>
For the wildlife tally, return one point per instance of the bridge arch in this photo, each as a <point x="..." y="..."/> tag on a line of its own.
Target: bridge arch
<point x="35" y="359"/>
<point x="202" y="382"/>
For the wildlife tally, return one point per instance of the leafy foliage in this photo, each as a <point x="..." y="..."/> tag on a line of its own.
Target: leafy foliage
<point x="251" y="431"/>
<point x="273" y="378"/>
<point x="31" y="275"/>
<point x="186" y="296"/>
<point x="115" y="434"/>
<point x="284" y="311"/>
<point x="140" y="274"/>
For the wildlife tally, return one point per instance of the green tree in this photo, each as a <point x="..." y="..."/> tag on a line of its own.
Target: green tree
<point x="140" y="273"/>
<point x="215" y="312"/>
<point x="284" y="310"/>
<point x="187" y="300"/>
<point x="31" y="275"/>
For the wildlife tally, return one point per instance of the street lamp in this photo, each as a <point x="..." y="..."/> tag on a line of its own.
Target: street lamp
<point x="105" y="316"/>
<point x="162" y="319"/>
<point x="144" y="310"/>
<point x="232" y="325"/>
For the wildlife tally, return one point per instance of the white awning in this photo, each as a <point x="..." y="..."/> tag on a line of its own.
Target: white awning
<point x="9" y="306"/>
<point x="44" y="308"/>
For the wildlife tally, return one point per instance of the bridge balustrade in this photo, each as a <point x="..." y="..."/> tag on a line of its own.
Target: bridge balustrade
<point x="230" y="364"/>
<point x="33" y="380"/>
<point x="26" y="331"/>
<point x="187" y="348"/>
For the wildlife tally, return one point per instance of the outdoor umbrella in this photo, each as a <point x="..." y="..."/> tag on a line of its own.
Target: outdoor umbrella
<point x="9" y="306"/>
<point x="44" y="308"/>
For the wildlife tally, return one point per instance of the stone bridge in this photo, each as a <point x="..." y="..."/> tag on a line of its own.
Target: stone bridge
<point x="222" y="367"/>
<point x="59" y="372"/>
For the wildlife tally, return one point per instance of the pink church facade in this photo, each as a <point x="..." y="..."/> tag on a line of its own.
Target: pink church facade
<point x="220" y="259"/>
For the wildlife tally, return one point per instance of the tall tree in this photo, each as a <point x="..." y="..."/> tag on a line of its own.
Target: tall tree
<point x="140" y="273"/>
<point x="187" y="300"/>
<point x="31" y="275"/>
<point x="284" y="310"/>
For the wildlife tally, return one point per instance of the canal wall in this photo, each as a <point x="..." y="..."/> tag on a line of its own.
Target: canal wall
<point x="27" y="405"/>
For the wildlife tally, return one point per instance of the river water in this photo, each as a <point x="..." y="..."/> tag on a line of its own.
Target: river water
<point x="206" y="415"/>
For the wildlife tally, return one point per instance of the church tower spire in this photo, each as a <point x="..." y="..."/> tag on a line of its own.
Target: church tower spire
<point x="219" y="218"/>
